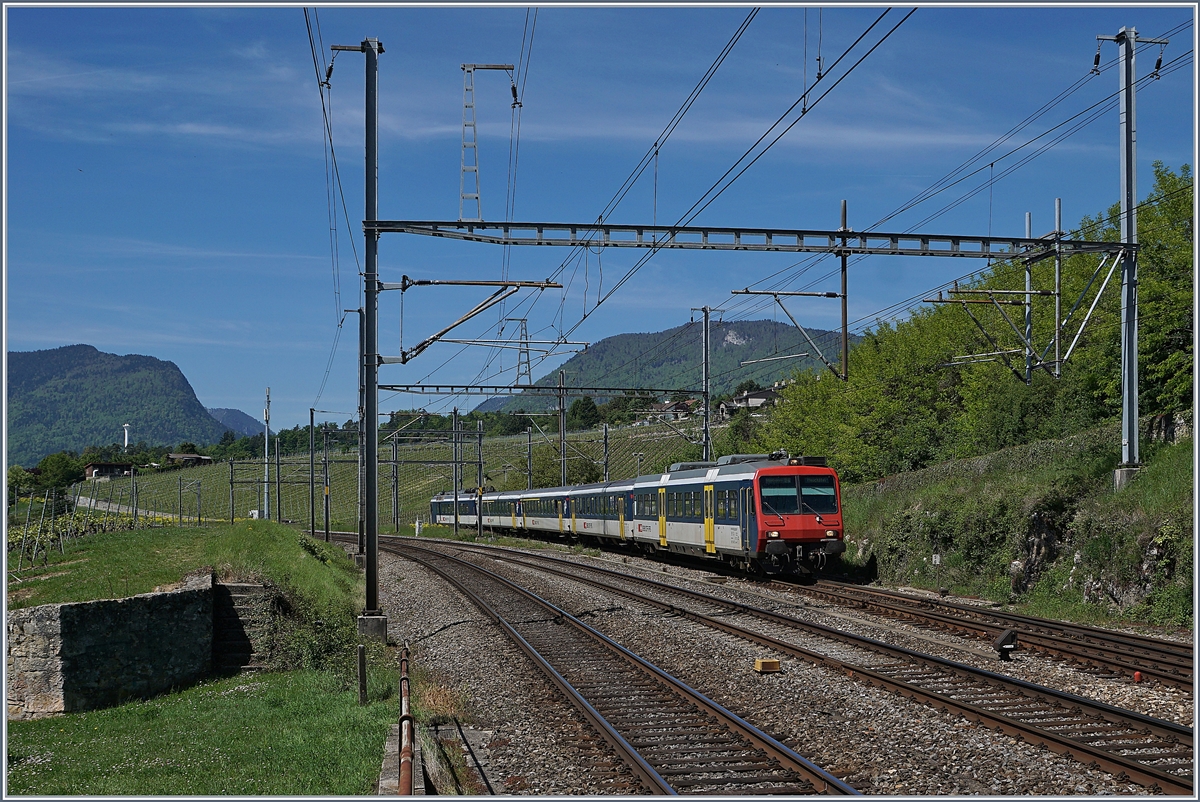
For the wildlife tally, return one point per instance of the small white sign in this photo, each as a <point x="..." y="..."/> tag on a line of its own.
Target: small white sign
<point x="937" y="559"/>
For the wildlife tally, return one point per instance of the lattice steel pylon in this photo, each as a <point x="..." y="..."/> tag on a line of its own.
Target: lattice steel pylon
<point x="523" y="365"/>
<point x="470" y="150"/>
<point x="468" y="189"/>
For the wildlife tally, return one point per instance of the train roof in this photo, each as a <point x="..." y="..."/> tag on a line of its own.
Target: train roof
<point x="733" y="467"/>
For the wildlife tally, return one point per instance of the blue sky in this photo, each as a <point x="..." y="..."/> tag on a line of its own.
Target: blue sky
<point x="166" y="190"/>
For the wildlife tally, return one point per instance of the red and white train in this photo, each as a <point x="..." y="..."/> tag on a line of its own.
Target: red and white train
<point x="757" y="512"/>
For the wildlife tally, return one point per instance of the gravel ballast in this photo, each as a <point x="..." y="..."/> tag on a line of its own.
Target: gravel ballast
<point x="879" y="742"/>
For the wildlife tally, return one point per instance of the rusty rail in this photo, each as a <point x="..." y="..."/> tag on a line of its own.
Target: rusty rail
<point x="407" y="730"/>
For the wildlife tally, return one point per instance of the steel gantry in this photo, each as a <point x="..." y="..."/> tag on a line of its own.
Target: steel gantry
<point x="842" y="242"/>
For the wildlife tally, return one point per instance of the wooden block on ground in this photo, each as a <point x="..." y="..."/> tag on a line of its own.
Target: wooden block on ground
<point x="766" y="666"/>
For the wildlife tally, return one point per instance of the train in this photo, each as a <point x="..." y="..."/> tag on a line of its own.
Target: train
<point x="760" y="513"/>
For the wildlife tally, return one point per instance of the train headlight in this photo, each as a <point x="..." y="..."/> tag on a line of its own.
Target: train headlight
<point x="830" y="533"/>
<point x="772" y="534"/>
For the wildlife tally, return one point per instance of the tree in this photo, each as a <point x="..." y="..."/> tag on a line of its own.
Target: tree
<point x="583" y="414"/>
<point x="748" y="386"/>
<point x="18" y="478"/>
<point x="187" y="448"/>
<point x="60" y="470"/>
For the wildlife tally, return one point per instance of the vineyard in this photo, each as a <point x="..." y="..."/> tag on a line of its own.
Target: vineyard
<point x="412" y="469"/>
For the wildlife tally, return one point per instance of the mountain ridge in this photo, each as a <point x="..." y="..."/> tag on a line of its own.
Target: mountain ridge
<point x="672" y="359"/>
<point x="65" y="399"/>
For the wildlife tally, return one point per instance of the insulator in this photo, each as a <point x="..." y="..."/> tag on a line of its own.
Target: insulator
<point x="1096" y="62"/>
<point x="329" y="72"/>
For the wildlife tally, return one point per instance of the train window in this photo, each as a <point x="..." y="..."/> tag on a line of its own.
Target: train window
<point x="818" y="494"/>
<point x="721" y="504"/>
<point x="780" y="495"/>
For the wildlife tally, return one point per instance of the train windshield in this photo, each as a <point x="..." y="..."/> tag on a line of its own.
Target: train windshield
<point x="791" y="495"/>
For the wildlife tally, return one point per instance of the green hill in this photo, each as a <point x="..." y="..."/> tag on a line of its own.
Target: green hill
<point x="75" y="396"/>
<point x="671" y="359"/>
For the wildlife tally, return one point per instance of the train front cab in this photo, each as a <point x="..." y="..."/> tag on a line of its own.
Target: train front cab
<point x="799" y="517"/>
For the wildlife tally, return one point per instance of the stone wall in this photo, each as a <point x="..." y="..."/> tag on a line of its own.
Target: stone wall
<point x="86" y="655"/>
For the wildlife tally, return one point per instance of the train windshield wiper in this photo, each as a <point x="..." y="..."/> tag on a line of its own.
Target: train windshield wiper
<point x="767" y="504"/>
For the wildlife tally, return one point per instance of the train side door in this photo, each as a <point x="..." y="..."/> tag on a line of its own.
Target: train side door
<point x="621" y="515"/>
<point x="749" y="539"/>
<point x="710" y="544"/>
<point x="662" y="517"/>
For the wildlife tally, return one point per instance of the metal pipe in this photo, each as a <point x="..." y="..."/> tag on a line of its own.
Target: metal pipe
<point x="406" y="730"/>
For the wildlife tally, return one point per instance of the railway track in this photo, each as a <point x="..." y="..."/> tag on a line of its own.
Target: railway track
<point x="1149" y="751"/>
<point x="673" y="739"/>
<point x="1099" y="650"/>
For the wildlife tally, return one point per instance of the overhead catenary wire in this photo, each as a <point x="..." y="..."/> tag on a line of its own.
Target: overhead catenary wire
<point x="722" y="184"/>
<point x="331" y="169"/>
<point x="999" y="177"/>
<point x="1177" y="64"/>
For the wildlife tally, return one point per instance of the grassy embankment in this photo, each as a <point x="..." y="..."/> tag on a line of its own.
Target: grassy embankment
<point x="297" y="730"/>
<point x="1039" y="524"/>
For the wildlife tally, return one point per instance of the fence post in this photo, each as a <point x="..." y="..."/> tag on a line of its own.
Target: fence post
<point x="87" y="519"/>
<point x="231" y="499"/>
<point x="199" y="519"/>
<point x="179" y="517"/>
<point x="25" y="535"/>
<point x="312" y="474"/>
<point x="395" y="484"/>
<point x="278" y="486"/>
<point x="325" y="468"/>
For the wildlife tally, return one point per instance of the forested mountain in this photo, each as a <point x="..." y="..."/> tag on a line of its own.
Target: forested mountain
<point x="672" y="359"/>
<point x="75" y="396"/>
<point x="904" y="409"/>
<point x="236" y="421"/>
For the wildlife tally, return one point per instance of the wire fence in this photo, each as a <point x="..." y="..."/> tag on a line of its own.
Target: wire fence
<point x="322" y="490"/>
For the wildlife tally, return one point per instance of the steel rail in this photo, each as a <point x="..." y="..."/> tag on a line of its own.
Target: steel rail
<point x="772" y="748"/>
<point x="648" y="776"/>
<point x="1169" y="663"/>
<point x="1077" y="748"/>
<point x="1124" y="637"/>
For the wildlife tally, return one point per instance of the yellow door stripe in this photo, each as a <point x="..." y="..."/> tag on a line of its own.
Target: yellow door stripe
<point x="662" y="517"/>
<point x="710" y="546"/>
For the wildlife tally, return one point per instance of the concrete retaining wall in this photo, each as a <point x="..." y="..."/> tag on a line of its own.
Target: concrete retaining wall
<point x="86" y="655"/>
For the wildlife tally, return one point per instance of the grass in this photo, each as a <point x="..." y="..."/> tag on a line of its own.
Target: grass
<point x="292" y="733"/>
<point x="117" y="564"/>
<point x="1049" y="505"/>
